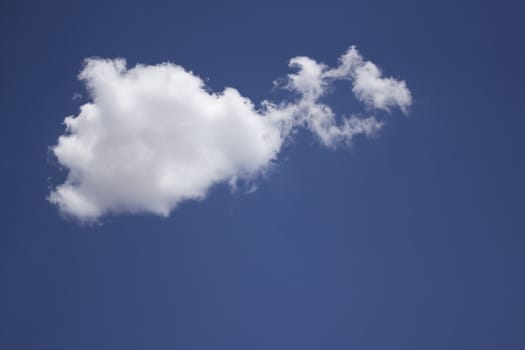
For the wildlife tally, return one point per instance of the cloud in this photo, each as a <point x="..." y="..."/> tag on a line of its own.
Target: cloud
<point x="369" y="86"/>
<point x="155" y="136"/>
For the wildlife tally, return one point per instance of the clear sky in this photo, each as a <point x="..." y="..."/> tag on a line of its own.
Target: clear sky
<point x="412" y="238"/>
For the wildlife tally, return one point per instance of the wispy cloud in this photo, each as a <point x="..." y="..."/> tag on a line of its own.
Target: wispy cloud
<point x="154" y="136"/>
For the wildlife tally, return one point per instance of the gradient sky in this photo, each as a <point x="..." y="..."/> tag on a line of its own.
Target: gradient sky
<point x="413" y="239"/>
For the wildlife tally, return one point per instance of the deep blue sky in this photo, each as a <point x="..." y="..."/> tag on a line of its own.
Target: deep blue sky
<point x="412" y="240"/>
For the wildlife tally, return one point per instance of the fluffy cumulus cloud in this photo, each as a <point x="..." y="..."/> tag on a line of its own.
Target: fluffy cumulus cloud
<point x="154" y="136"/>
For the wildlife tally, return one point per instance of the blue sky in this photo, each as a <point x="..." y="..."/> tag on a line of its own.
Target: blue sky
<point x="410" y="239"/>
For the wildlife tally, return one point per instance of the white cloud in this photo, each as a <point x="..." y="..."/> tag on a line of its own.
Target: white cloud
<point x="369" y="86"/>
<point x="154" y="136"/>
